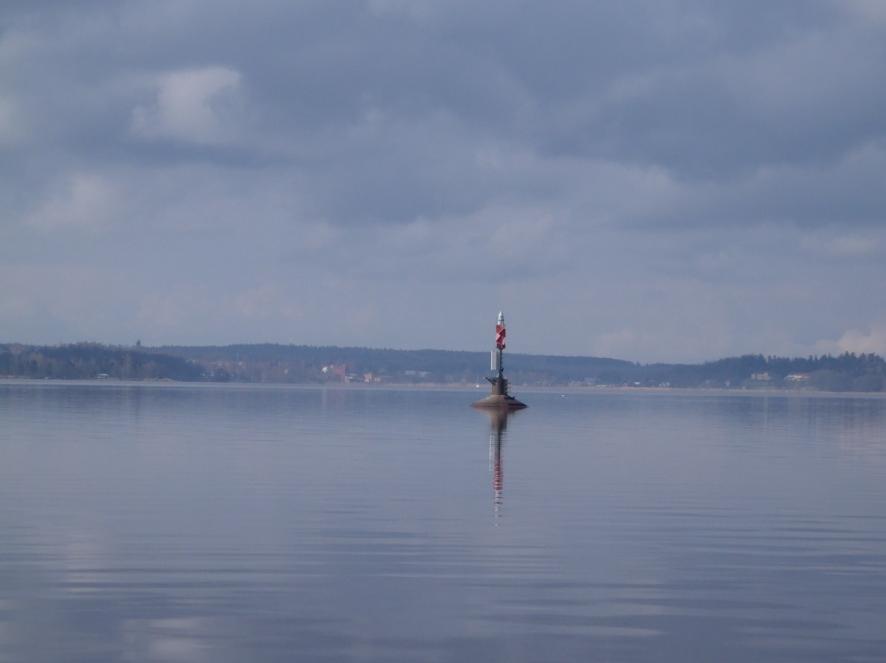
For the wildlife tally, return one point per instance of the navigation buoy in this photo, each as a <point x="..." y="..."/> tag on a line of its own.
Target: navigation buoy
<point x="499" y="398"/>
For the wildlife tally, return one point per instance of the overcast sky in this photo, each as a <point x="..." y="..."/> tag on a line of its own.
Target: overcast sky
<point x="662" y="180"/>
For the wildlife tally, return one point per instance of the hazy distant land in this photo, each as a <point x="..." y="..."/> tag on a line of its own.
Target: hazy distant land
<point x="301" y="364"/>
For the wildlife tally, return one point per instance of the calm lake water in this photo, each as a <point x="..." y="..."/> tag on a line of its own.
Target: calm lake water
<point x="233" y="523"/>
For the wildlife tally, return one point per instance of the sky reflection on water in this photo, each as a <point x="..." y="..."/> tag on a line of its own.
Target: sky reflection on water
<point x="148" y="522"/>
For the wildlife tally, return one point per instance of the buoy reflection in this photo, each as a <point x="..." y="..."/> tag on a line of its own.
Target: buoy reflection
<point x="498" y="425"/>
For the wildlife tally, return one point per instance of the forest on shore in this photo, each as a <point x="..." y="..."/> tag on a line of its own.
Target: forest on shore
<point x="303" y="364"/>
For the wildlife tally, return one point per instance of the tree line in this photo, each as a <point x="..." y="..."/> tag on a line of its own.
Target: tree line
<point x="322" y="364"/>
<point x="83" y="361"/>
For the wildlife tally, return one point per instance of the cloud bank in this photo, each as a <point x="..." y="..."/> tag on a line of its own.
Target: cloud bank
<point x="651" y="180"/>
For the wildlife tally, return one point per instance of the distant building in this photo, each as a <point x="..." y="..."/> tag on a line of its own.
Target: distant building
<point x="761" y="377"/>
<point x="336" y="371"/>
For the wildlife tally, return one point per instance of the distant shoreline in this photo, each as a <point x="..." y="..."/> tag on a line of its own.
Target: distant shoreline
<point x="301" y="364"/>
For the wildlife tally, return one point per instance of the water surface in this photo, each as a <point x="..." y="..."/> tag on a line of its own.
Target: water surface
<point x="148" y="522"/>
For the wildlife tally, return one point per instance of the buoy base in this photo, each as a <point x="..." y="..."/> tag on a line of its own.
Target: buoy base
<point x="499" y="402"/>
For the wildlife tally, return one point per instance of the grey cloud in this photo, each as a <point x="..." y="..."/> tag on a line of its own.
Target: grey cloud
<point x="668" y="180"/>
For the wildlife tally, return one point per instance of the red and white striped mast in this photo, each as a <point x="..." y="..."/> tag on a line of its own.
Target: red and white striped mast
<point x="500" y="335"/>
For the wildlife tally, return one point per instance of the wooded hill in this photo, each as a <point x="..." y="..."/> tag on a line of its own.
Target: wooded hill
<point x="327" y="364"/>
